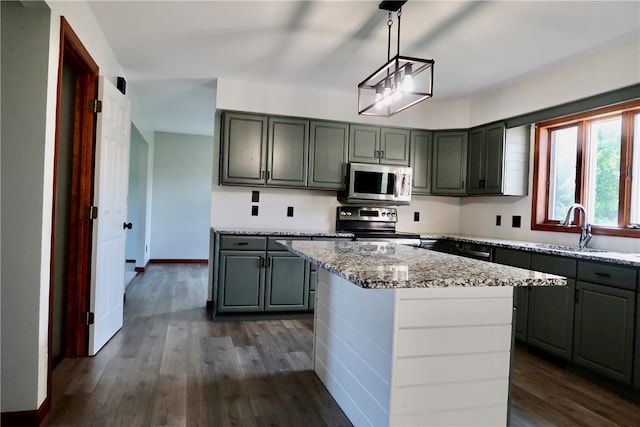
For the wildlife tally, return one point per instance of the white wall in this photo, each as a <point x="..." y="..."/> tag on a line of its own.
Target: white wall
<point x="617" y="66"/>
<point x="26" y="205"/>
<point x="181" y="196"/>
<point x="27" y="171"/>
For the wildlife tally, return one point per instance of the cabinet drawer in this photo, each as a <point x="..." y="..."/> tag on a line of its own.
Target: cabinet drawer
<point x="243" y="243"/>
<point x="273" y="246"/>
<point x="555" y="265"/>
<point x="607" y="274"/>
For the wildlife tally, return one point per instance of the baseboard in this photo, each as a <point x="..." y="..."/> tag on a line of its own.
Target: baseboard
<point x="141" y="269"/>
<point x="26" y="418"/>
<point x="178" y="261"/>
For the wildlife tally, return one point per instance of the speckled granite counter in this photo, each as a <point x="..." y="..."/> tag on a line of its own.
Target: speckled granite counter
<point x="630" y="259"/>
<point x="279" y="232"/>
<point x="387" y="265"/>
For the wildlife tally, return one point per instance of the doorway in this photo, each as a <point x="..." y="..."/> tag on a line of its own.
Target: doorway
<point x="73" y="193"/>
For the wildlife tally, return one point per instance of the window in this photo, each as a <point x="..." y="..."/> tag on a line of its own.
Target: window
<point x="593" y="159"/>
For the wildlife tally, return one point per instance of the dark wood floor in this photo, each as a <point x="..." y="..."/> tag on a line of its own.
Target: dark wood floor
<point x="171" y="365"/>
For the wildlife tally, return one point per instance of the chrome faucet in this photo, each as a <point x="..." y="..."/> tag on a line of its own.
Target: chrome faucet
<point x="585" y="229"/>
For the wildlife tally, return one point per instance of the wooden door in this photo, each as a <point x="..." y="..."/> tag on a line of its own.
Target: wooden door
<point x="110" y="196"/>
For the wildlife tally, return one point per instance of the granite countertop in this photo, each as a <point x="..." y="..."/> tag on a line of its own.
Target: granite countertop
<point x="622" y="258"/>
<point x="389" y="265"/>
<point x="279" y="232"/>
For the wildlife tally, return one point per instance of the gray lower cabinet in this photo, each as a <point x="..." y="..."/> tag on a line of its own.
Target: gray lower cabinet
<point x="328" y="154"/>
<point x="636" y="364"/>
<point x="257" y="275"/>
<point x="287" y="284"/>
<point x="372" y="144"/>
<point x="519" y="259"/>
<point x="420" y="161"/>
<point x="551" y="309"/>
<point x="449" y="163"/>
<point x="241" y="281"/>
<point x="605" y="319"/>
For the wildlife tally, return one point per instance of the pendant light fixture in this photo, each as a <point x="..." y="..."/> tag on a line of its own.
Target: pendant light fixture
<point x="400" y="83"/>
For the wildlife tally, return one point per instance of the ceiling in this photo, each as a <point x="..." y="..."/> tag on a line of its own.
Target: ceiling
<point x="172" y="51"/>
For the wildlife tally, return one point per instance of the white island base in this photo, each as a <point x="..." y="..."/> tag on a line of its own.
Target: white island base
<point x="414" y="356"/>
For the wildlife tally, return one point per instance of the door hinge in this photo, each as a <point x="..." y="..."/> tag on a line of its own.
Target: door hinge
<point x="96" y="106"/>
<point x="90" y="318"/>
<point x="92" y="212"/>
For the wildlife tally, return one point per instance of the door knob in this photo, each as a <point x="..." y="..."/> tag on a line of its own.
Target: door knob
<point x="127" y="225"/>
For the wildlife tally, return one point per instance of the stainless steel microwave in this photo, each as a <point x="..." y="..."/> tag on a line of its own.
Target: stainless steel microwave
<point x="380" y="184"/>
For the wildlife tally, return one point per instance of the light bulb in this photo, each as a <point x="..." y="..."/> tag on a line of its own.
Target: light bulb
<point x="407" y="81"/>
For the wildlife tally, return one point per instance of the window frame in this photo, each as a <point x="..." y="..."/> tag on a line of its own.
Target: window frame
<point x="542" y="165"/>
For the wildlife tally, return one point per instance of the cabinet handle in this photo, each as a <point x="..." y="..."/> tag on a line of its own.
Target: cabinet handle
<point x="577" y="295"/>
<point x="602" y="274"/>
<point x="382" y="154"/>
<point x="268" y="262"/>
<point x="268" y="175"/>
<point x="242" y="243"/>
<point x="482" y="183"/>
<point x="261" y="174"/>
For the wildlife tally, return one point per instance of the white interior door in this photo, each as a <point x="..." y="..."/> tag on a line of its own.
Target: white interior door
<point x="110" y="196"/>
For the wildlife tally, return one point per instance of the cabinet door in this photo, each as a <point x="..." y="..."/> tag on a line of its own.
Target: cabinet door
<point x="450" y="163"/>
<point x="287" y="282"/>
<point x="364" y="144"/>
<point x="420" y="161"/>
<point x="550" y="322"/>
<point x="494" y="159"/>
<point x="328" y="154"/>
<point x="241" y="281"/>
<point x="288" y="152"/>
<point x="476" y="161"/>
<point x="636" y="367"/>
<point x="519" y="259"/>
<point x="604" y="322"/>
<point x="394" y="146"/>
<point x="244" y="149"/>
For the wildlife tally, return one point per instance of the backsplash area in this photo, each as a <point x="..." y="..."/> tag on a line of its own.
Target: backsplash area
<point x="316" y="210"/>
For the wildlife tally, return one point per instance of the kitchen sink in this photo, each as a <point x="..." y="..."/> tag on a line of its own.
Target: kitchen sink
<point x="567" y="248"/>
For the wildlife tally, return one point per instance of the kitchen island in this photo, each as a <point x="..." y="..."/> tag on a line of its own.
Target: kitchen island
<point x="408" y="336"/>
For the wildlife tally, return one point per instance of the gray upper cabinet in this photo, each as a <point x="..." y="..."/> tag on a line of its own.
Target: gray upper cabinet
<point x="420" y="161"/>
<point x="244" y="149"/>
<point x="394" y="146"/>
<point x="449" y="163"/>
<point x="328" y="154"/>
<point x="372" y="144"/>
<point x="364" y="143"/>
<point x="498" y="160"/>
<point x="257" y="150"/>
<point x="288" y="151"/>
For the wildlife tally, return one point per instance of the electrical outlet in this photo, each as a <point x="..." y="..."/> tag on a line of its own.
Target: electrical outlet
<point x="498" y="220"/>
<point x="255" y="196"/>
<point x="254" y="210"/>
<point x="516" y="221"/>
<point x="290" y="211"/>
<point x="416" y="216"/>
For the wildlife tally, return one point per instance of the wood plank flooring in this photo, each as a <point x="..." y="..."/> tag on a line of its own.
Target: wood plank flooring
<point x="170" y="365"/>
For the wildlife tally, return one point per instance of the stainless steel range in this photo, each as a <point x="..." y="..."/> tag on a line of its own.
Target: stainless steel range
<point x="373" y="223"/>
